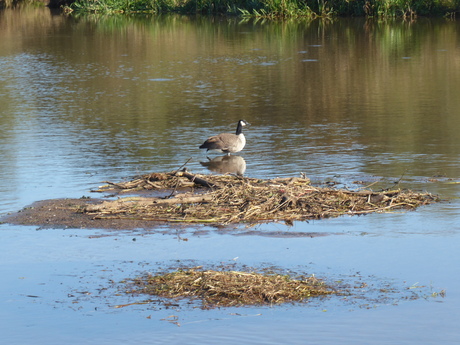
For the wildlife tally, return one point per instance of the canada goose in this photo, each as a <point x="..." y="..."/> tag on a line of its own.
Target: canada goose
<point x="227" y="142"/>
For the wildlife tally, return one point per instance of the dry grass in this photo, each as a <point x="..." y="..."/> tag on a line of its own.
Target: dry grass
<point x="228" y="199"/>
<point x="230" y="288"/>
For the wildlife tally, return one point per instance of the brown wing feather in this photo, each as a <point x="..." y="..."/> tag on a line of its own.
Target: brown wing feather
<point x="222" y="142"/>
<point x="226" y="142"/>
<point x="214" y="143"/>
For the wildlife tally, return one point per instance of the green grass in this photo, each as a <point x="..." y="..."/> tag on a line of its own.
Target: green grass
<point x="275" y="8"/>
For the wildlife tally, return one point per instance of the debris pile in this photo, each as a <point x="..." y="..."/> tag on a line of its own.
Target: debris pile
<point x="229" y="199"/>
<point x="229" y="288"/>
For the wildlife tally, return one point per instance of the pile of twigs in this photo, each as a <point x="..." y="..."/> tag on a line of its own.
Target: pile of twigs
<point x="153" y="181"/>
<point x="229" y="288"/>
<point x="231" y="199"/>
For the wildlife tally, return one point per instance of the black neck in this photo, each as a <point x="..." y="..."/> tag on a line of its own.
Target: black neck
<point x="239" y="128"/>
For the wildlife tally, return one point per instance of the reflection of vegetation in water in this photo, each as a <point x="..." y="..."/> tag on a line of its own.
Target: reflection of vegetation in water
<point x="274" y="8"/>
<point x="21" y="3"/>
<point x="389" y="81"/>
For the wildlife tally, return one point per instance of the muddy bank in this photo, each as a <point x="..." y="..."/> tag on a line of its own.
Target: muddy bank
<point x="63" y="213"/>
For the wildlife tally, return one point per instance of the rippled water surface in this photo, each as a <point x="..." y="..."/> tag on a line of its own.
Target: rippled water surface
<point x="351" y="102"/>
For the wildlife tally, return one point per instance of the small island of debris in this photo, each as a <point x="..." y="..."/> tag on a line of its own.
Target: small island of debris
<point x="185" y="198"/>
<point x="215" y="288"/>
<point x="228" y="199"/>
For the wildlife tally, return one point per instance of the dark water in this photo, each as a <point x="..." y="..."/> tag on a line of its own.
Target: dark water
<point x="89" y="99"/>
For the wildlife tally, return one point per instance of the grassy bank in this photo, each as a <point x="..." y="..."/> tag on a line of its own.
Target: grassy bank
<point x="275" y="8"/>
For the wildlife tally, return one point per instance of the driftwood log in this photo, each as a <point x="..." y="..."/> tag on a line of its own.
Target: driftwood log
<point x="130" y="202"/>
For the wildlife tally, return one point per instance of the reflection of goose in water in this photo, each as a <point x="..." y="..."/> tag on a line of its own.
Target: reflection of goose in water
<point x="227" y="142"/>
<point x="226" y="164"/>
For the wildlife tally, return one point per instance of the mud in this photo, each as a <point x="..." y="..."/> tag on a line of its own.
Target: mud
<point x="63" y="213"/>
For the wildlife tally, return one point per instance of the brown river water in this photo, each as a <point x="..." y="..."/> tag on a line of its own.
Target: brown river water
<point x="348" y="102"/>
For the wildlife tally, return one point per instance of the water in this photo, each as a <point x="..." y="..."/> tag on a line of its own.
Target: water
<point x="90" y="99"/>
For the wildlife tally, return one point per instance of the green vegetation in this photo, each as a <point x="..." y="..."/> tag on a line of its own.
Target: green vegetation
<point x="259" y="8"/>
<point x="275" y="8"/>
<point x="265" y="8"/>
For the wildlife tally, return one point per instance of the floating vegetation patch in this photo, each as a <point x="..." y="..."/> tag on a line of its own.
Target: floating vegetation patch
<point x="236" y="286"/>
<point x="228" y="199"/>
<point x="229" y="288"/>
